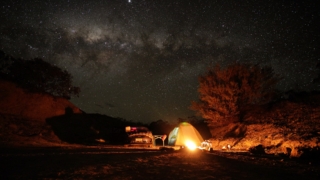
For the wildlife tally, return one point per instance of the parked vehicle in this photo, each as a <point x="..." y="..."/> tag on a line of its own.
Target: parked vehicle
<point x="139" y="136"/>
<point x="206" y="146"/>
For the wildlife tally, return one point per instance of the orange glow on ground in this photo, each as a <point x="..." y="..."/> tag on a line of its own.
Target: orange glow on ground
<point x="191" y="145"/>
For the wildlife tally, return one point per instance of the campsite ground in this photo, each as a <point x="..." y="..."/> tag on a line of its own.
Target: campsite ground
<point x="115" y="163"/>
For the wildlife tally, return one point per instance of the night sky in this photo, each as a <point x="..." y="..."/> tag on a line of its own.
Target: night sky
<point x="140" y="60"/>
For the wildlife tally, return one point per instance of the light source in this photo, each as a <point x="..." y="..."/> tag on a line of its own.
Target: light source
<point x="191" y="145"/>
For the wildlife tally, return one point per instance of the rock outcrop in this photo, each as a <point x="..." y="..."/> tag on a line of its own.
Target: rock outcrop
<point x="23" y="116"/>
<point x="289" y="127"/>
<point x="32" y="106"/>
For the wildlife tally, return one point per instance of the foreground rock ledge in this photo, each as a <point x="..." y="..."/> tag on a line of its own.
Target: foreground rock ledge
<point x="266" y="138"/>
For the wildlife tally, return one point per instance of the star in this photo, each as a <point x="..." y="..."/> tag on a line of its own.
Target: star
<point x="142" y="61"/>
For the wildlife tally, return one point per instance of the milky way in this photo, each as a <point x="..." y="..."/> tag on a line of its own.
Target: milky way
<point x="140" y="60"/>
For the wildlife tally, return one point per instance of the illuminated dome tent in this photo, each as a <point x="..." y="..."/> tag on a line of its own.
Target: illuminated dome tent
<point x="183" y="134"/>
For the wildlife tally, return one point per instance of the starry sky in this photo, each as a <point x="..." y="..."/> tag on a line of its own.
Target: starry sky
<point x="140" y="60"/>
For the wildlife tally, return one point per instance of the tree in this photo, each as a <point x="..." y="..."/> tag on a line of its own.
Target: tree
<point x="39" y="76"/>
<point x="5" y="63"/>
<point x="160" y="127"/>
<point x="200" y="124"/>
<point x="225" y="94"/>
<point x="317" y="79"/>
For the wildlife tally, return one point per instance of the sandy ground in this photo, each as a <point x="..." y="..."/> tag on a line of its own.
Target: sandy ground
<point x="101" y="163"/>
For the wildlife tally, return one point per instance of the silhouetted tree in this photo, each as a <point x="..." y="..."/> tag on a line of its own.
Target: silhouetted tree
<point x="160" y="127"/>
<point x="317" y="79"/>
<point x="38" y="76"/>
<point x="200" y="124"/>
<point x="5" y="63"/>
<point x="225" y="94"/>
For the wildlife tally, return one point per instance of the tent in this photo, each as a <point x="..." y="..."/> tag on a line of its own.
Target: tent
<point x="183" y="133"/>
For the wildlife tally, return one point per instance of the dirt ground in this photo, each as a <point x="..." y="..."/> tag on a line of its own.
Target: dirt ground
<point x="100" y="163"/>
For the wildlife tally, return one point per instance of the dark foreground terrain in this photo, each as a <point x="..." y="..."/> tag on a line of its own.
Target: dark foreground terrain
<point x="114" y="163"/>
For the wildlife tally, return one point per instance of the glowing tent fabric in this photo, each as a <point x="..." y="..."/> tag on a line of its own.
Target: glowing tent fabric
<point x="184" y="132"/>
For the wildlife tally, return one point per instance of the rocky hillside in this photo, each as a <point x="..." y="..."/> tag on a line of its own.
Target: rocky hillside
<point x="290" y="127"/>
<point x="23" y="116"/>
<point x="30" y="119"/>
<point x="32" y="106"/>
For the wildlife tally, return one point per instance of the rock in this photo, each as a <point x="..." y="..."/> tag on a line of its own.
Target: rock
<point x="257" y="149"/>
